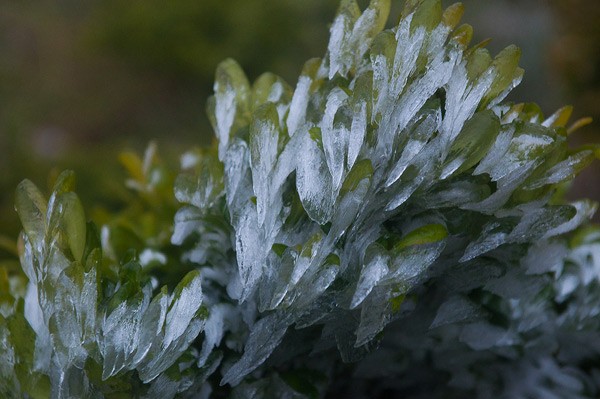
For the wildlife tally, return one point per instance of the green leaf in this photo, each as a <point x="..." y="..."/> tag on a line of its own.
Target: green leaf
<point x="428" y="13"/>
<point x="362" y="170"/>
<point x="560" y="118"/>
<point x="381" y="10"/>
<point x="452" y="15"/>
<point x="463" y="35"/>
<point x="423" y="235"/>
<point x="65" y="182"/>
<point x="506" y="65"/>
<point x="332" y="259"/>
<point x="72" y="223"/>
<point x="349" y="8"/>
<point x="279" y="249"/>
<point x="479" y="61"/>
<point x="133" y="164"/>
<point x="316" y="136"/>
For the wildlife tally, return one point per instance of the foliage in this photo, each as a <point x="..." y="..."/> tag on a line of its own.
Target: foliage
<point x="390" y="221"/>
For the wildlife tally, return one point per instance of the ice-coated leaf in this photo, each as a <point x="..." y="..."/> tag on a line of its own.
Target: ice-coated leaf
<point x="564" y="170"/>
<point x="352" y="196"/>
<point x="427" y="13"/>
<point x="300" y="98"/>
<point x="527" y="150"/>
<point x="497" y="151"/>
<point x="151" y="324"/>
<point x="482" y="335"/>
<point x="493" y="235"/>
<point x="363" y="170"/>
<point x="78" y="296"/>
<point x="411" y="262"/>
<point x="281" y="281"/>
<point x="250" y="248"/>
<point x="464" y="91"/>
<point x="382" y="56"/>
<point x="264" y="337"/>
<point x="184" y="320"/>
<point x="358" y="132"/>
<point x="419" y="136"/>
<point x="120" y="331"/>
<point x="472" y="143"/>
<point x="375" y="315"/>
<point x="264" y="137"/>
<point x="31" y="207"/>
<point x="229" y="109"/>
<point x="456" y="193"/>
<point x="455" y="310"/>
<point x="35" y="317"/>
<point x="215" y="328"/>
<point x="545" y="257"/>
<point x="316" y="281"/>
<point x="374" y="269"/>
<point x="204" y="187"/>
<point x="414" y="95"/>
<point x="314" y="181"/>
<point x="335" y="135"/>
<point x="584" y="210"/>
<point x="306" y="257"/>
<point x="352" y="33"/>
<point x="560" y="118"/>
<point x="340" y="31"/>
<point x="270" y="88"/>
<point x="371" y="22"/>
<point x="536" y="223"/>
<point x="237" y="167"/>
<point x="185" y="303"/>
<point x="514" y="284"/>
<point x="507" y="76"/>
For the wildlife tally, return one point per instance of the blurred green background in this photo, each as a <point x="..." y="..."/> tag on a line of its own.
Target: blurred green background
<point x="81" y="80"/>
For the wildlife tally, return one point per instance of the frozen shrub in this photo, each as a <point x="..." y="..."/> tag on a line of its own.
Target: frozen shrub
<point x="389" y="226"/>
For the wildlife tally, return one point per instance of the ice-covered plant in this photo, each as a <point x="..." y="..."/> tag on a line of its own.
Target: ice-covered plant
<point x="389" y="226"/>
